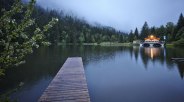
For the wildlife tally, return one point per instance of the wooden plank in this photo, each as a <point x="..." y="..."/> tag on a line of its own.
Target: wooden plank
<point x="177" y="58"/>
<point x="69" y="84"/>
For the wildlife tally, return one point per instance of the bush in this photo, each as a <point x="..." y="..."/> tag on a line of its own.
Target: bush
<point x="15" y="41"/>
<point x="179" y="42"/>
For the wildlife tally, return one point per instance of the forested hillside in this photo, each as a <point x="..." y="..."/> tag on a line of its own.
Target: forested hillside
<point x="70" y="29"/>
<point x="24" y="26"/>
<point x="173" y="32"/>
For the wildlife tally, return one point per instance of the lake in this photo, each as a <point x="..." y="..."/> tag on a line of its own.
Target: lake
<point x="114" y="74"/>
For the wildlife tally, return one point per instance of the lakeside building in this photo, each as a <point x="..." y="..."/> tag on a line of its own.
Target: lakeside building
<point x="152" y="41"/>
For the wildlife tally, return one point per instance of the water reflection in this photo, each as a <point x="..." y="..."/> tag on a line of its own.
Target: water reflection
<point x="152" y="52"/>
<point x="162" y="55"/>
<point x="181" y="69"/>
<point x="134" y="74"/>
<point x="42" y="65"/>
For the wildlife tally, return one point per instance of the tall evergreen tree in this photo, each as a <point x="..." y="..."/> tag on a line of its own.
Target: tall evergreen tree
<point x="179" y="25"/>
<point x="169" y="31"/>
<point x="144" y="31"/>
<point x="136" y="34"/>
<point x="180" y="34"/>
<point x="160" y="32"/>
<point x="131" y="36"/>
<point x="153" y="30"/>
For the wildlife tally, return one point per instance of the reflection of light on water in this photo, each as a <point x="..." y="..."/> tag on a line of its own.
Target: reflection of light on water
<point x="152" y="52"/>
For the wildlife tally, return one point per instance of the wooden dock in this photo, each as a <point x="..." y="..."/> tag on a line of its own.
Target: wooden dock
<point x="178" y="59"/>
<point x="69" y="85"/>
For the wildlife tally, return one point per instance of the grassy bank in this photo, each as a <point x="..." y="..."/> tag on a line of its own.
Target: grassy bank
<point x="169" y="45"/>
<point x="101" y="44"/>
<point x="112" y="44"/>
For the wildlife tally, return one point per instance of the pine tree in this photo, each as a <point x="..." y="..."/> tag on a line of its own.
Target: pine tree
<point x="153" y="30"/>
<point x="136" y="34"/>
<point x="144" y="31"/>
<point x="169" y="30"/>
<point x="160" y="32"/>
<point x="179" y="25"/>
<point x="131" y="36"/>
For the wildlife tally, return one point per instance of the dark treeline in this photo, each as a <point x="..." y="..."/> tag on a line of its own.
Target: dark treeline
<point x="173" y="32"/>
<point x="70" y="29"/>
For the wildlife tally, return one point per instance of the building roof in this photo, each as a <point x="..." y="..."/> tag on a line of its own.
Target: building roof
<point x="151" y="38"/>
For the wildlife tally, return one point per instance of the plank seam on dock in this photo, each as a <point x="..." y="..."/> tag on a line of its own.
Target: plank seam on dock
<point x="69" y="84"/>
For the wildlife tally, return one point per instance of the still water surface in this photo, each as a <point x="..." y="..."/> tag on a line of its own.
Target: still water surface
<point x="114" y="74"/>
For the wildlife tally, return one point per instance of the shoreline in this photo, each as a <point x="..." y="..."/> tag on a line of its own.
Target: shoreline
<point x="101" y="44"/>
<point x="109" y="44"/>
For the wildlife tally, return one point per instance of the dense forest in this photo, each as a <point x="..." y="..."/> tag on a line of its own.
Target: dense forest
<point x="26" y="25"/>
<point x="71" y="29"/>
<point x="173" y="32"/>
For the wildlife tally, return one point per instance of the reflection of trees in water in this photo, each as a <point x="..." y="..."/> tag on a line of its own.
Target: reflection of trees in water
<point x="93" y="53"/>
<point x="131" y="51"/>
<point x="136" y="52"/>
<point x="144" y="58"/>
<point x="152" y="54"/>
<point x="43" y="63"/>
<point x="181" y="69"/>
<point x="176" y="53"/>
<point x="162" y="55"/>
<point x="46" y="61"/>
<point x="97" y="53"/>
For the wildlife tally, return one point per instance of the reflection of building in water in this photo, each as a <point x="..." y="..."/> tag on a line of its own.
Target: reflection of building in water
<point x="152" y="52"/>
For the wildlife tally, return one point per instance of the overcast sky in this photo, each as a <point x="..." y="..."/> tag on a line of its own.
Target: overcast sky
<point x="123" y="15"/>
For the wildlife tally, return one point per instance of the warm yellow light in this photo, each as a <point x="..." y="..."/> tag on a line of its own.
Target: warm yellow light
<point x="152" y="54"/>
<point x="152" y="36"/>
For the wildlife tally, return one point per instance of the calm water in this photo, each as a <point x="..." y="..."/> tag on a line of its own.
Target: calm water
<point x="114" y="74"/>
